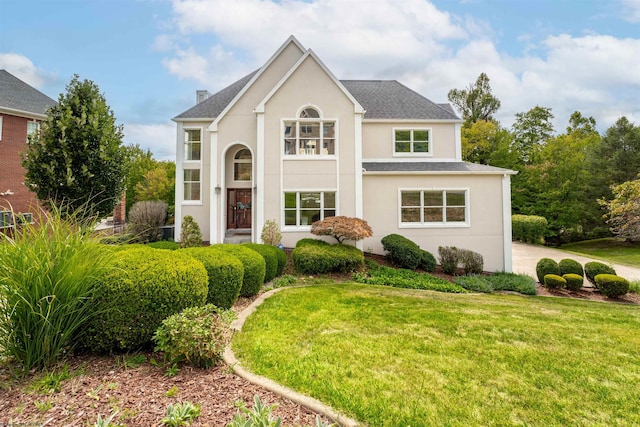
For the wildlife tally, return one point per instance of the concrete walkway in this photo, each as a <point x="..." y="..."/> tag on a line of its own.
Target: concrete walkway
<point x="526" y="256"/>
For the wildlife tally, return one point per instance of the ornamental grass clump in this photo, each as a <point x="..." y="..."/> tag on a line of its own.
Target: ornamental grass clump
<point x="48" y="274"/>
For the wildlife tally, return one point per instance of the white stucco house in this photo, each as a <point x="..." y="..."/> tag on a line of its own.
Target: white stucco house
<point x="292" y="143"/>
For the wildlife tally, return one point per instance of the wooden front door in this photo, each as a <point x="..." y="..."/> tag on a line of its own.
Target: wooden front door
<point x="239" y="208"/>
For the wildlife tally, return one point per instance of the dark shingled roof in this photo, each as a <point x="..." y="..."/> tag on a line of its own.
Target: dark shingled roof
<point x="211" y="107"/>
<point x="389" y="99"/>
<point x="431" y="167"/>
<point x="382" y="99"/>
<point x="17" y="95"/>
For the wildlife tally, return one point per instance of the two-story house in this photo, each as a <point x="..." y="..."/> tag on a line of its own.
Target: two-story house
<point x="291" y="143"/>
<point x="22" y="108"/>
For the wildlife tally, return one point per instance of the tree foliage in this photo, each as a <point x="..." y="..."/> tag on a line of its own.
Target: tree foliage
<point x="139" y="163"/>
<point x="78" y="160"/>
<point x="531" y="131"/>
<point x="624" y="210"/>
<point x="487" y="143"/>
<point x="476" y="101"/>
<point x="342" y="228"/>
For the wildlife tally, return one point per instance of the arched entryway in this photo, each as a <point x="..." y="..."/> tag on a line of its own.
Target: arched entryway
<point x="239" y="191"/>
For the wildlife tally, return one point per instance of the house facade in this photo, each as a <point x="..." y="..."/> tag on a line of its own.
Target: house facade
<point x="22" y="108"/>
<point x="291" y="143"/>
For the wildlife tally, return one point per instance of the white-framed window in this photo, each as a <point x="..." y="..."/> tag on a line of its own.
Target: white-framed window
<point x="434" y="207"/>
<point x="192" y="144"/>
<point x="309" y="135"/>
<point x="33" y="128"/>
<point x="192" y="184"/>
<point x="242" y="165"/>
<point x="303" y="208"/>
<point x="412" y="141"/>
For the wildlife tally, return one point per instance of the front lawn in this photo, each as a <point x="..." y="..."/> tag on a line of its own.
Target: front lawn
<point x="611" y="249"/>
<point x="402" y="357"/>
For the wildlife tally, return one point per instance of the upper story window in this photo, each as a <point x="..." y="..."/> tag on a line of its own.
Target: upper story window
<point x="434" y="207"/>
<point x="309" y="135"/>
<point x="33" y="128"/>
<point x="242" y="165"/>
<point x="412" y="141"/>
<point x="192" y="144"/>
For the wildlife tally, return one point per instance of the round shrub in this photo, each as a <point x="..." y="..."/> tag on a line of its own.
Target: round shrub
<point x="401" y="251"/>
<point x="197" y="335"/>
<point x="570" y="266"/>
<point x="269" y="253"/>
<point x="553" y="281"/>
<point x="164" y="244"/>
<point x="428" y="262"/>
<point x="546" y="266"/>
<point x="254" y="267"/>
<point x="225" y="273"/>
<point x="312" y="256"/>
<point x="611" y="285"/>
<point x="593" y="268"/>
<point x="282" y="261"/>
<point x="144" y="287"/>
<point x="574" y="281"/>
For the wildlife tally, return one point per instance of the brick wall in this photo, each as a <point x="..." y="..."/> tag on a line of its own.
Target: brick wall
<point x="14" y="141"/>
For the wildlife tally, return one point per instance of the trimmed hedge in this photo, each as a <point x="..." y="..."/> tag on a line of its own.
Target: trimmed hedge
<point x="570" y="266"/>
<point x="611" y="285"/>
<point x="574" y="281"/>
<point x="402" y="252"/>
<point x="528" y="228"/>
<point x="546" y="266"/>
<point x="553" y="281"/>
<point x="428" y="262"/>
<point x="254" y="267"/>
<point x="269" y="253"/>
<point x="282" y="261"/>
<point x="225" y="273"/>
<point x="164" y="244"/>
<point x="312" y="256"/>
<point x="144" y="287"/>
<point x="593" y="268"/>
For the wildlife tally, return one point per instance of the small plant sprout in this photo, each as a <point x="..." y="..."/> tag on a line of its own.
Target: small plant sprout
<point x="172" y="392"/>
<point x="181" y="414"/>
<point x="105" y="422"/>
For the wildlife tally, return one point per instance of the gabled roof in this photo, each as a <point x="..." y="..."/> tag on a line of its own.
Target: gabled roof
<point x="17" y="96"/>
<point x="433" y="167"/>
<point x="389" y="99"/>
<point x="211" y="107"/>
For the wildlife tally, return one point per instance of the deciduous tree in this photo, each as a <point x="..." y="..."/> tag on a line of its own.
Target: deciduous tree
<point x="342" y="228"/>
<point x="624" y="210"/>
<point x="476" y="101"/>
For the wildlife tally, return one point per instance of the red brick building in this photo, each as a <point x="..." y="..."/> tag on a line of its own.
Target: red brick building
<point x="22" y="108"/>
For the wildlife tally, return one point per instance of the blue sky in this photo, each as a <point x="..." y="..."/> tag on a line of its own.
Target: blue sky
<point x="149" y="56"/>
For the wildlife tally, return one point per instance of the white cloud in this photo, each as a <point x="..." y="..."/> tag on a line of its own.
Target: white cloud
<point x="159" y="138"/>
<point x="22" y="67"/>
<point x="631" y="10"/>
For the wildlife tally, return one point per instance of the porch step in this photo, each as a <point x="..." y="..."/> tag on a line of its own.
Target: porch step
<point x="238" y="232"/>
<point x="242" y="238"/>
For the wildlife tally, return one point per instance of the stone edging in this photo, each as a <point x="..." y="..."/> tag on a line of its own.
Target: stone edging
<point x="313" y="404"/>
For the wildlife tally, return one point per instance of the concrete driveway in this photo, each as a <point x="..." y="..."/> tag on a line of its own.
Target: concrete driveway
<point x="526" y="256"/>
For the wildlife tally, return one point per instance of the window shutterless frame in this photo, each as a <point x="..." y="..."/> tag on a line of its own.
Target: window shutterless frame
<point x="412" y="142"/>
<point x="433" y="208"/>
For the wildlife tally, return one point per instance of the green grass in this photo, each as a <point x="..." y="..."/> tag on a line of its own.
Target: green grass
<point x="611" y="249"/>
<point x="389" y="356"/>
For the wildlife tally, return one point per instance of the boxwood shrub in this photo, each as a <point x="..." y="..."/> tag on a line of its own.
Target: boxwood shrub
<point x="282" y="261"/>
<point x="144" y="287"/>
<point x="570" y="266"/>
<point x="528" y="228"/>
<point x="593" y="268"/>
<point x="611" y="285"/>
<point x="270" y="255"/>
<point x="313" y="256"/>
<point x="546" y="266"/>
<point x="164" y="244"/>
<point x="254" y="267"/>
<point x="553" y="281"/>
<point x="574" y="281"/>
<point x="428" y="262"/>
<point x="402" y="252"/>
<point x="225" y="273"/>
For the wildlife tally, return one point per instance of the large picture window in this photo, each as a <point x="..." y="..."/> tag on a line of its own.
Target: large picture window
<point x="309" y="135"/>
<point x="192" y="144"/>
<point x="412" y="141"/>
<point x="306" y="207"/>
<point x="192" y="184"/>
<point x="431" y="207"/>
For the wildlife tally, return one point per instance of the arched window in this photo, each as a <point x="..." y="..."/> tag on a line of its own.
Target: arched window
<point x="242" y="165"/>
<point x="309" y="135"/>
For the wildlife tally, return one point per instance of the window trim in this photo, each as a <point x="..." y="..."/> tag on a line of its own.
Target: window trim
<point x="307" y="227"/>
<point x="185" y="143"/>
<point x="299" y="122"/>
<point x="411" y="153"/>
<point x="184" y="182"/>
<point x="467" y="206"/>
